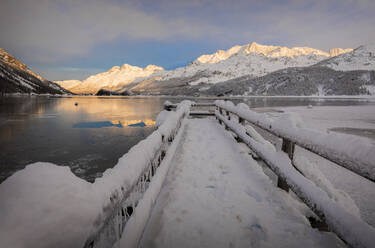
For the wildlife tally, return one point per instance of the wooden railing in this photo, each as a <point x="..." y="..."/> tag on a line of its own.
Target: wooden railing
<point x="123" y="202"/>
<point x="361" y="161"/>
<point x="348" y="227"/>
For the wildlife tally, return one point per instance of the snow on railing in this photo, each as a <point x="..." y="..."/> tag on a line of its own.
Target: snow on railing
<point x="348" y="152"/>
<point x="349" y="227"/>
<point x="129" y="179"/>
<point x="346" y="225"/>
<point x="46" y="205"/>
<point x="168" y="105"/>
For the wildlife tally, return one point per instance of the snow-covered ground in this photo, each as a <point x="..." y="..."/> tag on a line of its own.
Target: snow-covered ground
<point x="215" y="194"/>
<point x="222" y="198"/>
<point x="327" y="117"/>
<point x="359" y="119"/>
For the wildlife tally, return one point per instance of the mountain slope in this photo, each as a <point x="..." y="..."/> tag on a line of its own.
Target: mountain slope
<point x="114" y="79"/>
<point x="253" y="59"/>
<point x="318" y="79"/>
<point x="249" y="60"/>
<point x="362" y="58"/>
<point x="300" y="81"/>
<point x="15" y="77"/>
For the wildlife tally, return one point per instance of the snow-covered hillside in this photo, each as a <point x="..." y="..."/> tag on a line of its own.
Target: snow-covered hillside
<point x="362" y="58"/>
<point x="269" y="51"/>
<point x="268" y="70"/>
<point x="16" y="77"/>
<point x="114" y="79"/>
<point x="251" y="60"/>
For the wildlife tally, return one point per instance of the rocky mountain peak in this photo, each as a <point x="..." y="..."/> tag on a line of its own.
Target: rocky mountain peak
<point x="12" y="61"/>
<point x="259" y="49"/>
<point x="268" y="51"/>
<point x="337" y="51"/>
<point x="153" y="68"/>
<point x="127" y="67"/>
<point x="218" y="55"/>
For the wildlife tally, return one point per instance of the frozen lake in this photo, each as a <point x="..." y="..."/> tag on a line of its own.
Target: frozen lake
<point x="89" y="134"/>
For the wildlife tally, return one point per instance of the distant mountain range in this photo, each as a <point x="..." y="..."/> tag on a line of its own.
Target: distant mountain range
<point x="16" y="77"/>
<point x="114" y="79"/>
<point x="268" y="70"/>
<point x="252" y="69"/>
<point x="351" y="73"/>
<point x="249" y="60"/>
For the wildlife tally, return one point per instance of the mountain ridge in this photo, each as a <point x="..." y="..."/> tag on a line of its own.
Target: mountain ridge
<point x="16" y="77"/>
<point x="114" y="79"/>
<point x="252" y="61"/>
<point x="269" y="51"/>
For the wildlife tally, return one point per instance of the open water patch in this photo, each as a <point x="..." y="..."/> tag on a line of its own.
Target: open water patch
<point x="96" y="124"/>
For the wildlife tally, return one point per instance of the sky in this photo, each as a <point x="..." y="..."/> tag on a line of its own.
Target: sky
<point x="72" y="39"/>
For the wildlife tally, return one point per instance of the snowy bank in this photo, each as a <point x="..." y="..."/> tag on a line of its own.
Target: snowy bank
<point x="46" y="205"/>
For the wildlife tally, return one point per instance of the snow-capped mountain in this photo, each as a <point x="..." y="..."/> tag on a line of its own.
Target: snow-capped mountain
<point x="16" y="77"/>
<point x="361" y="58"/>
<point x="299" y="81"/>
<point x="269" y="51"/>
<point x="316" y="79"/>
<point x="251" y="60"/>
<point x="114" y="79"/>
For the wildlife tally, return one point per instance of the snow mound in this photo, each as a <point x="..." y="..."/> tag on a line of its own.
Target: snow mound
<point x="162" y="116"/>
<point x="42" y="199"/>
<point x="288" y="120"/>
<point x="48" y="206"/>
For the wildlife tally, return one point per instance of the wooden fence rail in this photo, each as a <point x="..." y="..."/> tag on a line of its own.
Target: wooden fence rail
<point x="123" y="203"/>
<point x="360" y="162"/>
<point x="340" y="221"/>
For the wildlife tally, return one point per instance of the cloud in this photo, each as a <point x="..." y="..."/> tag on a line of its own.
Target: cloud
<point x="54" y="30"/>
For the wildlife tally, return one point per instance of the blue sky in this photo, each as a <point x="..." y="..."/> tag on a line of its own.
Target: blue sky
<point x="73" y="39"/>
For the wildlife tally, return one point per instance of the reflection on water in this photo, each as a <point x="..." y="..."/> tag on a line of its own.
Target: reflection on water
<point x="96" y="124"/>
<point x="93" y="134"/>
<point x="138" y="124"/>
<point x="89" y="137"/>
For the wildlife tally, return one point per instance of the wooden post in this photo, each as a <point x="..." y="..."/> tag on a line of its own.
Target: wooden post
<point x="221" y="112"/>
<point x="287" y="147"/>
<point x="228" y="114"/>
<point x="241" y="121"/>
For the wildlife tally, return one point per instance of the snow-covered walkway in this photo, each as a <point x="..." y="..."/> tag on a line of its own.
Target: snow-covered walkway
<point x="216" y="195"/>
